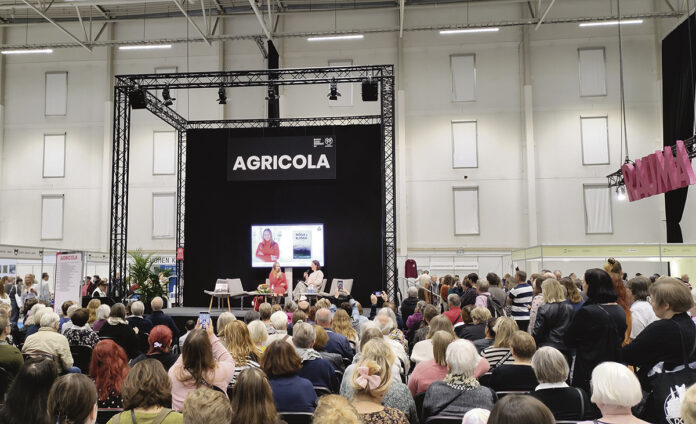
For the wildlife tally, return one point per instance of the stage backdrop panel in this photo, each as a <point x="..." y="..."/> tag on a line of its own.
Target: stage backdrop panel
<point x="220" y="213"/>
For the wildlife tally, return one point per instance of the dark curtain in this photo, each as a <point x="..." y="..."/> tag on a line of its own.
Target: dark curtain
<point x="678" y="109"/>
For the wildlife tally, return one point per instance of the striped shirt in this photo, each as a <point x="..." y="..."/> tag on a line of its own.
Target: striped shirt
<point x="521" y="296"/>
<point x="495" y="354"/>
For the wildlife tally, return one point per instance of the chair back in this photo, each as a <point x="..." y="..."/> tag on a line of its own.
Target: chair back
<point x="297" y="417"/>
<point x="485" y="379"/>
<point x="221" y="286"/>
<point x="37" y="354"/>
<point x="419" y="398"/>
<point x="82" y="356"/>
<point x="105" y="414"/>
<point x="504" y="393"/>
<point x="234" y="286"/>
<point x="438" y="419"/>
<point x="321" y="391"/>
<point x="4" y="384"/>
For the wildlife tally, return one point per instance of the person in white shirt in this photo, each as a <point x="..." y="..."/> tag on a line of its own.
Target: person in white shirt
<point x="100" y="291"/>
<point x="641" y="311"/>
<point x="316" y="278"/>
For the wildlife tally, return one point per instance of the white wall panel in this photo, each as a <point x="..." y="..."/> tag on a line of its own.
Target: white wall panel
<point x="54" y="156"/>
<point x="463" y="68"/>
<point x="597" y="201"/>
<point x="466" y="211"/>
<point x="592" y="65"/>
<point x="52" y="217"/>
<point x="163" y="215"/>
<point x="464" y="144"/>
<point x="164" y="151"/>
<point x="595" y="140"/>
<point x="56" y="93"/>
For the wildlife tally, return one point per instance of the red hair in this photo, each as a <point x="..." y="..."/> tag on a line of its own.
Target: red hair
<point x="109" y="367"/>
<point x="160" y="334"/>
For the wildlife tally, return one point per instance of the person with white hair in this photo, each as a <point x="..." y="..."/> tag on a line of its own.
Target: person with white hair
<point x="460" y="391"/>
<point x="48" y="340"/>
<point x="222" y="321"/>
<point x="279" y="321"/>
<point x="258" y="333"/>
<point x="386" y="325"/>
<point x="137" y="320"/>
<point x="32" y="322"/>
<point x="103" y="312"/>
<point x="408" y="306"/>
<point x="69" y="324"/>
<point x="314" y="368"/>
<point x="395" y="334"/>
<point x="615" y="390"/>
<point x="157" y="317"/>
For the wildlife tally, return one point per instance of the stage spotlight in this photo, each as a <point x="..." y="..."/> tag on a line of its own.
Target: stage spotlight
<point x="271" y="93"/>
<point x="333" y="93"/>
<point x="222" y="98"/>
<point x="621" y="193"/>
<point x="168" y="100"/>
<point x="369" y="90"/>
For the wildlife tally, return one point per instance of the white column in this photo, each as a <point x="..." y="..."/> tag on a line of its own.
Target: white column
<point x="105" y="212"/>
<point x="530" y="154"/>
<point x="401" y="191"/>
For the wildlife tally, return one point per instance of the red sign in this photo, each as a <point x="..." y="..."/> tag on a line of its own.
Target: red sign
<point x="658" y="173"/>
<point x="180" y="254"/>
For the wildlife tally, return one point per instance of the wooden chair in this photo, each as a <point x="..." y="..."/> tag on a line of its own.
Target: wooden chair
<point x="220" y="292"/>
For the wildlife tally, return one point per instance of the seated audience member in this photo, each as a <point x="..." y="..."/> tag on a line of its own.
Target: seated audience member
<point x="10" y="357"/>
<point x="207" y="406"/>
<point x="252" y="399"/>
<point x="615" y="390"/>
<point x="117" y="328"/>
<point x="553" y="317"/>
<point x="489" y="336"/>
<point x="279" y="321"/>
<point x="239" y="344"/>
<point x="147" y="395"/>
<point x="368" y="334"/>
<point x="342" y="324"/>
<point x="688" y="406"/>
<point x="265" y="312"/>
<point x="33" y="321"/>
<point x="476" y="416"/>
<point x="92" y="307"/>
<point x="395" y="334"/>
<point x="477" y="329"/>
<point x="297" y="316"/>
<point x="574" y="296"/>
<point x="251" y="316"/>
<point x="160" y="347"/>
<point x="642" y="313"/>
<point x="397" y="396"/>
<point x="432" y="369"/>
<point x="64" y="315"/>
<point x="291" y="393"/>
<point x="27" y="397"/>
<point x="188" y="326"/>
<point x="108" y="368"/>
<point x="79" y="333"/>
<point x="371" y="381"/>
<point x="204" y="361"/>
<point x="137" y="319"/>
<point x="499" y="353"/>
<point x="386" y="325"/>
<point x="48" y="340"/>
<point x="460" y="391"/>
<point x="519" y="409"/>
<point x="320" y="341"/>
<point x="316" y="369"/>
<point x="338" y="343"/>
<point x="157" y="317"/>
<point x="290" y="308"/>
<point x="519" y="375"/>
<point x="103" y="312"/>
<point x="454" y="313"/>
<point x="423" y="351"/>
<point x="335" y="409"/>
<point x="259" y="335"/>
<point x="566" y="403"/>
<point x="222" y="321"/>
<point x="429" y="312"/>
<point x="73" y="400"/>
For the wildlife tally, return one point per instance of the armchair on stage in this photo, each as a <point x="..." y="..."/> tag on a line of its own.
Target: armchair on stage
<point x="230" y="288"/>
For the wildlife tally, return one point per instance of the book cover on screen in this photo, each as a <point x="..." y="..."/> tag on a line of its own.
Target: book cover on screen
<point x="302" y="245"/>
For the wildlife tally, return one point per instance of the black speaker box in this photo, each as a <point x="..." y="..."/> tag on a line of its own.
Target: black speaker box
<point x="369" y="90"/>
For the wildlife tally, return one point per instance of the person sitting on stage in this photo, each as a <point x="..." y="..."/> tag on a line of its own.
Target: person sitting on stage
<point x="157" y="317"/>
<point x="338" y="343"/>
<point x="268" y="250"/>
<point x="278" y="283"/>
<point x="316" y="278"/>
<point x="280" y="327"/>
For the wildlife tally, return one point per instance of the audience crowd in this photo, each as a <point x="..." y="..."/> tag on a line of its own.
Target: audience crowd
<point x="517" y="350"/>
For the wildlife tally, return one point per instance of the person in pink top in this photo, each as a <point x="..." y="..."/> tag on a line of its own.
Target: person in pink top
<point x="432" y="370"/>
<point x="204" y="361"/>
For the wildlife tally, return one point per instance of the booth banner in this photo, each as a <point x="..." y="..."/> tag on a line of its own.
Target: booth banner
<point x="281" y="158"/>
<point x="68" y="278"/>
<point x="20" y="252"/>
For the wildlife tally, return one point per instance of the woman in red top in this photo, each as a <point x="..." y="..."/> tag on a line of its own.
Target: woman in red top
<point x="278" y="283"/>
<point x="268" y="250"/>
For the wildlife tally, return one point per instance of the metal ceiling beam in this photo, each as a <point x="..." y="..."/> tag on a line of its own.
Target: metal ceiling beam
<point x="546" y="12"/>
<point x="57" y="25"/>
<point x="252" y="3"/>
<point x="79" y="16"/>
<point x="188" y="17"/>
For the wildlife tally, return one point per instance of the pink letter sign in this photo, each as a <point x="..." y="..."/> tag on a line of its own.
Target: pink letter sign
<point x="658" y="173"/>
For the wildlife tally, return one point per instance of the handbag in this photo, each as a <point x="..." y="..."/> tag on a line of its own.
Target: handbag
<point x="668" y="387"/>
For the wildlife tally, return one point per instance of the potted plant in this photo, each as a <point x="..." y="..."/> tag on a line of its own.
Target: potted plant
<point x="143" y="273"/>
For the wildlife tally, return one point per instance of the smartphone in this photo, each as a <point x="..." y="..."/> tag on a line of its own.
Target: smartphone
<point x="340" y="284"/>
<point x="378" y="293"/>
<point x="204" y="319"/>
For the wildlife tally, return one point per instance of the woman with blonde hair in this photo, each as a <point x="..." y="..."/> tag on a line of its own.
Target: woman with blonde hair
<point x="335" y="409"/>
<point x="92" y="307"/>
<point x="574" y="297"/>
<point x="342" y="324"/>
<point x="423" y="350"/>
<point x="370" y="382"/>
<point x="613" y="267"/>
<point x="499" y="353"/>
<point x="259" y="334"/>
<point x="243" y="350"/>
<point x="553" y="317"/>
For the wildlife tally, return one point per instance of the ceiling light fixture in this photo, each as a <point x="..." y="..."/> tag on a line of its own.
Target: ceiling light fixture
<point x="146" y="47"/>
<point x="168" y="99"/>
<point x="621" y="193"/>
<point x="337" y="37"/>
<point x="610" y="23"/>
<point x="222" y="97"/>
<point x="45" y="51"/>
<point x="468" y="30"/>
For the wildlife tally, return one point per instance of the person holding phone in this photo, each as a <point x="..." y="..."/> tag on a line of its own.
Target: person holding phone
<point x="268" y="250"/>
<point x="278" y="283"/>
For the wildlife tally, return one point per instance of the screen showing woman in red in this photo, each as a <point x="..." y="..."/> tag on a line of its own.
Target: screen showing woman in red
<point x="268" y="250"/>
<point x="278" y="283"/>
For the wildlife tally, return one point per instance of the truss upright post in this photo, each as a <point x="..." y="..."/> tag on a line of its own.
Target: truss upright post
<point x="180" y="212"/>
<point x="389" y="194"/>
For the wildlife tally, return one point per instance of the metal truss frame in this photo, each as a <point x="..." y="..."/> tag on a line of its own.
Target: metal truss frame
<point x="149" y="83"/>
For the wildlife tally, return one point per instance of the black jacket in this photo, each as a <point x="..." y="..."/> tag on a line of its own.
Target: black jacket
<point x="408" y="306"/>
<point x="471" y="332"/>
<point x="123" y="336"/>
<point x="552" y="322"/>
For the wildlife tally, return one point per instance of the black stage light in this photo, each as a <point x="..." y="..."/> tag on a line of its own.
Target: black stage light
<point x="222" y="98"/>
<point x="369" y="90"/>
<point x="334" y="94"/>
<point x="272" y="93"/>
<point x="137" y="98"/>
<point x="168" y="100"/>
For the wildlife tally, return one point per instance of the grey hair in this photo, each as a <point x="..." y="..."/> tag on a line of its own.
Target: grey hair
<point x="279" y="320"/>
<point x="323" y="316"/>
<point x="386" y="327"/>
<point x="454" y="300"/>
<point x="224" y="319"/>
<point x="103" y="311"/>
<point x="420" y="306"/>
<point x="72" y="309"/>
<point x="50" y="319"/>
<point x="549" y="365"/>
<point x="138" y="308"/>
<point x="388" y="312"/>
<point x="258" y="331"/>
<point x="462" y="358"/>
<point x="303" y="335"/>
<point x="412" y="291"/>
<point x="483" y="285"/>
<point x="366" y="326"/>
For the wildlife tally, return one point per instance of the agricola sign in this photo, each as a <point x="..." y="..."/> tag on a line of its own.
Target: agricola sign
<point x="658" y="173"/>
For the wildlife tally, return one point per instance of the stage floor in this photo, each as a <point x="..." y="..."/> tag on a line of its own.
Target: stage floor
<point x="193" y="311"/>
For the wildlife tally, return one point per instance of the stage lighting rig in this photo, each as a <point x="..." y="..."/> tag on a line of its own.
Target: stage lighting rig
<point x="222" y="97"/>
<point x="272" y="95"/>
<point x="333" y="93"/>
<point x="168" y="100"/>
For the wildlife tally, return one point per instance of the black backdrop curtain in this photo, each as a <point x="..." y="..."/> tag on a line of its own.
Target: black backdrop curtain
<point x="678" y="109"/>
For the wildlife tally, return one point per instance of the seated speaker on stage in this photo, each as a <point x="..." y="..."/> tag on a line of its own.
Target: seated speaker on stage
<point x="268" y="250"/>
<point x="312" y="280"/>
<point x="277" y="282"/>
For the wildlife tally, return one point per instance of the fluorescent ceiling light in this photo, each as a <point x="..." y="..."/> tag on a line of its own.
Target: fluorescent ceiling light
<point x="337" y="37"/>
<point x="27" y="51"/>
<point x="468" y="30"/>
<point x="146" y="47"/>
<point x="609" y="23"/>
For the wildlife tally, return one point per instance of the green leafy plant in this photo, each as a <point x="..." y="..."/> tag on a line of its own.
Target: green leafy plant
<point x="145" y="274"/>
